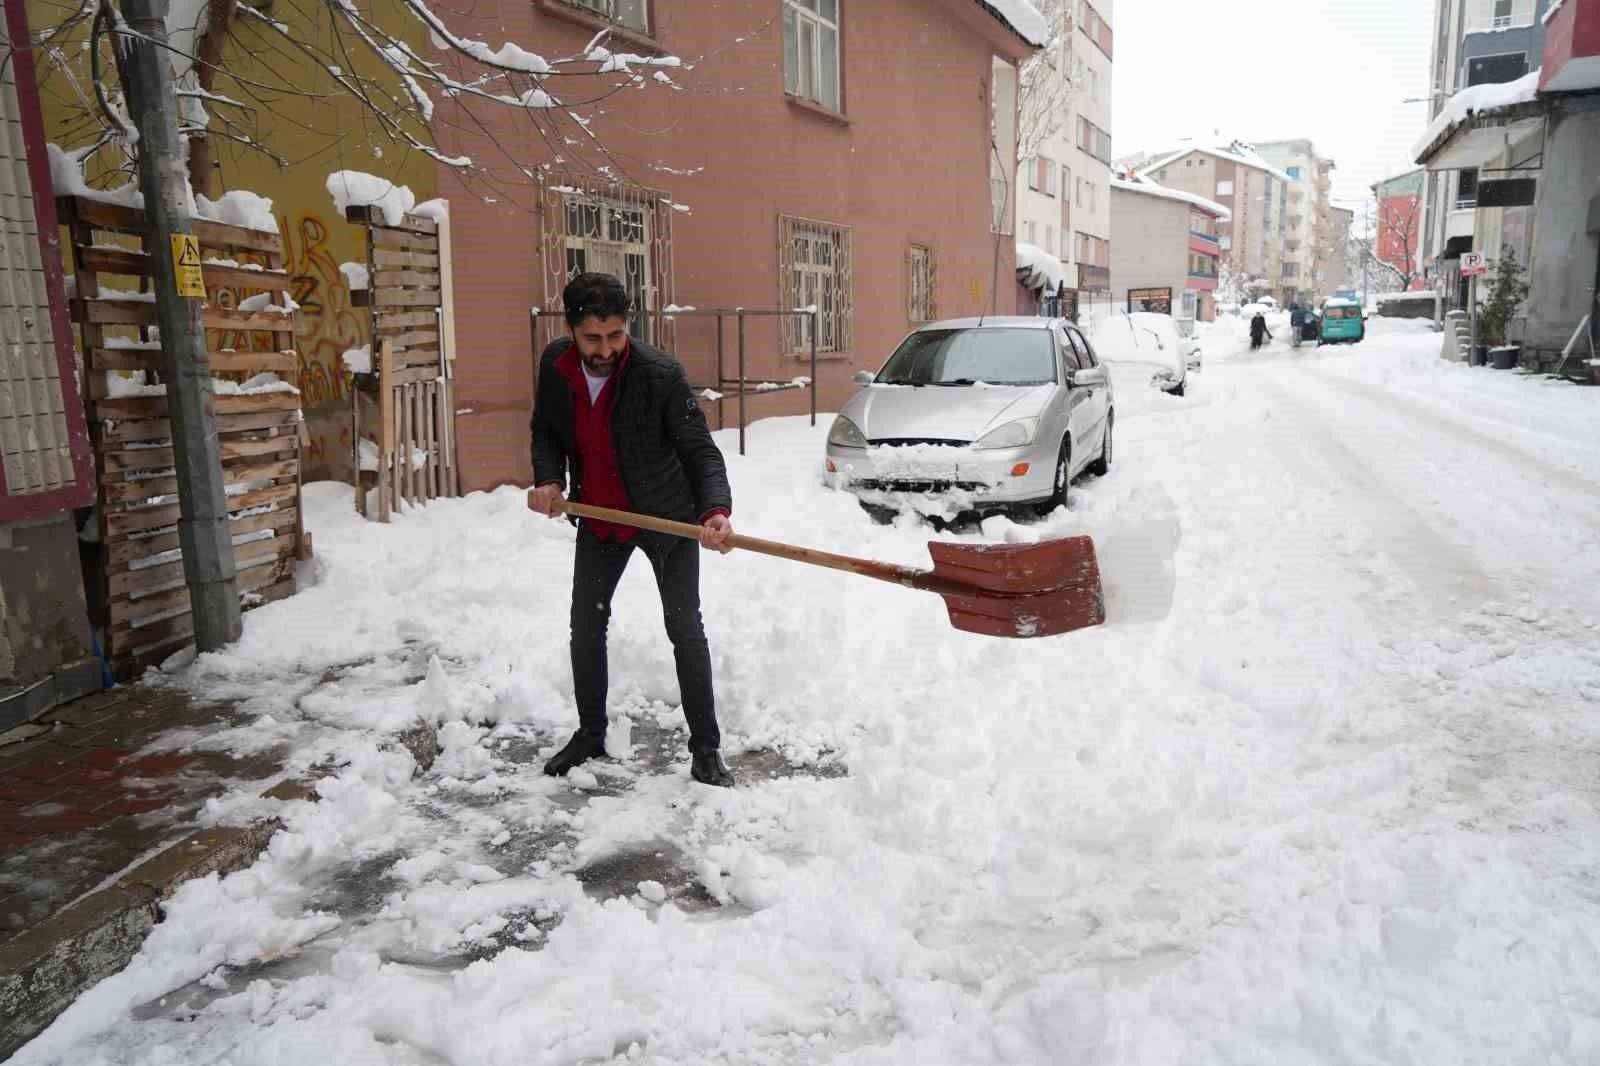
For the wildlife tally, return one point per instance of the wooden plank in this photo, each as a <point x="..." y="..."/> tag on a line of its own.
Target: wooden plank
<point x="403" y="443"/>
<point x="219" y="276"/>
<point x="125" y="358"/>
<point x="368" y="215"/>
<point x="156" y="406"/>
<point x="429" y="398"/>
<point x="120" y="553"/>
<point x="392" y="323"/>
<point x="117" y="461"/>
<point x="415" y="374"/>
<point x="385" y="432"/>
<point x="232" y="319"/>
<point x="240" y="449"/>
<point x="280" y="591"/>
<point x="405" y="279"/>
<point x="113" y="312"/>
<point x="401" y="241"/>
<point x="360" y="297"/>
<point x="383" y="257"/>
<point x="115" y="431"/>
<point x="411" y="338"/>
<point x="447" y="303"/>
<point x="447" y="451"/>
<point x="257" y="421"/>
<point x="128" y="262"/>
<point x="135" y="585"/>
<point x="133" y="651"/>
<point x="262" y="497"/>
<point x="126" y="493"/>
<point x="405" y="297"/>
<point x="123" y="219"/>
<point x="417" y="357"/>
<point x="123" y="523"/>
<point x="231" y="361"/>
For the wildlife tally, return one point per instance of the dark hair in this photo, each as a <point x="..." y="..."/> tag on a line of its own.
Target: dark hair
<point x="600" y="295"/>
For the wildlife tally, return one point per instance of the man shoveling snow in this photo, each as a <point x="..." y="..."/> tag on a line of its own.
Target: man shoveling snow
<point x="621" y="416"/>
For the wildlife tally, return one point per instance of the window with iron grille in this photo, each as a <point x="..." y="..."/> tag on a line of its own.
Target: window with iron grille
<point x="924" y="284"/>
<point x="613" y="237"/>
<point x="633" y="14"/>
<point x="811" y="51"/>
<point x="814" y="271"/>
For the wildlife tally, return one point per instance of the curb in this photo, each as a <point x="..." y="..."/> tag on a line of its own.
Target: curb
<point x="43" y="970"/>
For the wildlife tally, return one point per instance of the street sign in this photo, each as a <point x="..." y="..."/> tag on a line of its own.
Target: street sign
<point x="186" y="265"/>
<point x="1472" y="264"/>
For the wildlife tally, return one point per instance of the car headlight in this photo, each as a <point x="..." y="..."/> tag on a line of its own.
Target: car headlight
<point x="846" y="434"/>
<point x="1011" y="435"/>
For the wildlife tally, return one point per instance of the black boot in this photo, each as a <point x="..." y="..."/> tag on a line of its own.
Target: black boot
<point x="581" y="748"/>
<point x="709" y="769"/>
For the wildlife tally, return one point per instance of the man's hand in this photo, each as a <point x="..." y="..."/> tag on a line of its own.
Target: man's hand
<point x="544" y="499"/>
<point x="714" y="533"/>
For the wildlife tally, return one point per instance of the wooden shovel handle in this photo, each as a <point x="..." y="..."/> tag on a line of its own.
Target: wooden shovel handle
<point x="900" y="575"/>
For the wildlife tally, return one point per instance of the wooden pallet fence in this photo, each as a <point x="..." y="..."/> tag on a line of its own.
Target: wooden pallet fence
<point x="138" y="591"/>
<point x="413" y="342"/>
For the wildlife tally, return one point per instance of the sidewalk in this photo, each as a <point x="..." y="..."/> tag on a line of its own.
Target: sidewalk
<point x="93" y="797"/>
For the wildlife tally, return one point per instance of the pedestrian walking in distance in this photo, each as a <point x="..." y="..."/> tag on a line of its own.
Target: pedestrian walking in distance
<point x="617" y="418"/>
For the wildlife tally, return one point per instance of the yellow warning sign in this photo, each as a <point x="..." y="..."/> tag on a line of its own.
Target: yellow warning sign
<point x="186" y="265"/>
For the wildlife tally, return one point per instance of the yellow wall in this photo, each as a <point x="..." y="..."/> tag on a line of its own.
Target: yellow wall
<point x="317" y="137"/>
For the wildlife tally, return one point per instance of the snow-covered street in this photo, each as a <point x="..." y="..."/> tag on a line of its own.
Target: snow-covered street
<point x="1326" y="787"/>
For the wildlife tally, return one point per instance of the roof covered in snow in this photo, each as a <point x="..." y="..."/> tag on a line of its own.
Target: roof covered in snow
<point x="1474" y="101"/>
<point x="1023" y="18"/>
<point x="1244" y="158"/>
<point x="1151" y="188"/>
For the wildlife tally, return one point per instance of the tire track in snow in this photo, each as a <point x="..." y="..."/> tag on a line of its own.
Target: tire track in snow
<point x="1446" y="577"/>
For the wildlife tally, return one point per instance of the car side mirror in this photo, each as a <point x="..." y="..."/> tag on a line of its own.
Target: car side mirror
<point x="1089" y="377"/>
<point x="864" y="377"/>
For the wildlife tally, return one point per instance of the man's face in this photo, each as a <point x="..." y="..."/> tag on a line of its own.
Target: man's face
<point x="600" y="343"/>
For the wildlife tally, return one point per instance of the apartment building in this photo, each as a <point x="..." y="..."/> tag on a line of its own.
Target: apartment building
<point x="1307" y="237"/>
<point x="1168" y="249"/>
<point x="1340" y="271"/>
<point x="1256" y="195"/>
<point x="1475" y="42"/>
<point x="1064" y="194"/>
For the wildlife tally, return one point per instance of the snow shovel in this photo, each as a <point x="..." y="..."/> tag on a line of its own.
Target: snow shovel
<point x="1000" y="590"/>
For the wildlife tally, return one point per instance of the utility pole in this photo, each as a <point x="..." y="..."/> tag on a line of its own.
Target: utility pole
<point x="203" y="532"/>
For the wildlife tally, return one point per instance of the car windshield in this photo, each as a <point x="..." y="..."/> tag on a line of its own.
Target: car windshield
<point x="968" y="356"/>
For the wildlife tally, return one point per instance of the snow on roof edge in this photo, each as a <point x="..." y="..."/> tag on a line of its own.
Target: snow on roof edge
<point x="1221" y="153"/>
<point x="1153" y="188"/>
<point x="1023" y="18"/>
<point x="1476" y="100"/>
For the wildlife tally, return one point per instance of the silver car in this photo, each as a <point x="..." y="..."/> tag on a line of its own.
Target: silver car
<point x="975" y="413"/>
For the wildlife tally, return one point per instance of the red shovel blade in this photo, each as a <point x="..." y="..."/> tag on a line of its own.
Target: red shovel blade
<point x="1017" y="569"/>
<point x="1035" y="590"/>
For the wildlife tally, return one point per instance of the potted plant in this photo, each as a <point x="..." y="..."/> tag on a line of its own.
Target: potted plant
<point x="1506" y="295"/>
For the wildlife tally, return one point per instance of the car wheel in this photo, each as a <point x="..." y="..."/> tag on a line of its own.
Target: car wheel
<point x="1102" y="466"/>
<point x="1059" y="495"/>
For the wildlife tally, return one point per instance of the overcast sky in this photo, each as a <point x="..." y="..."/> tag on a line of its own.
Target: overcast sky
<point x="1334" y="71"/>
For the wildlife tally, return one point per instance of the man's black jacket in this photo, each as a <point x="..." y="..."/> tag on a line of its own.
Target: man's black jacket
<point x="670" y="466"/>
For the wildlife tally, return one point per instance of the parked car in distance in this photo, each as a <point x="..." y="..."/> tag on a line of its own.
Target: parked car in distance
<point x="976" y="413"/>
<point x="1145" y="340"/>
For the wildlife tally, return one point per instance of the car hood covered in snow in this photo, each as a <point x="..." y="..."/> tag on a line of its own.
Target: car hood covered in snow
<point x="941" y="412"/>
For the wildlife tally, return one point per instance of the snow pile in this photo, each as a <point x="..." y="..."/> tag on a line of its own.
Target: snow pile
<point x="122" y="384"/>
<point x="1038" y="270"/>
<point x="1470" y="101"/>
<point x="358" y="360"/>
<point x="352" y="188"/>
<point x="356" y="276"/>
<point x="1320" y="790"/>
<point x="239" y="208"/>
<point x="262" y="301"/>
<point x="437" y="209"/>
<point x="66" y="178"/>
<point x="258" y="385"/>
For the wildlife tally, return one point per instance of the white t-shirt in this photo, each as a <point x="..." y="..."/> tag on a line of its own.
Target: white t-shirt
<point x="595" y="384"/>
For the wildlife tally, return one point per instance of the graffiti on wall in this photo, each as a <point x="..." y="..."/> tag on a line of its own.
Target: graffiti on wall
<point x="329" y="325"/>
